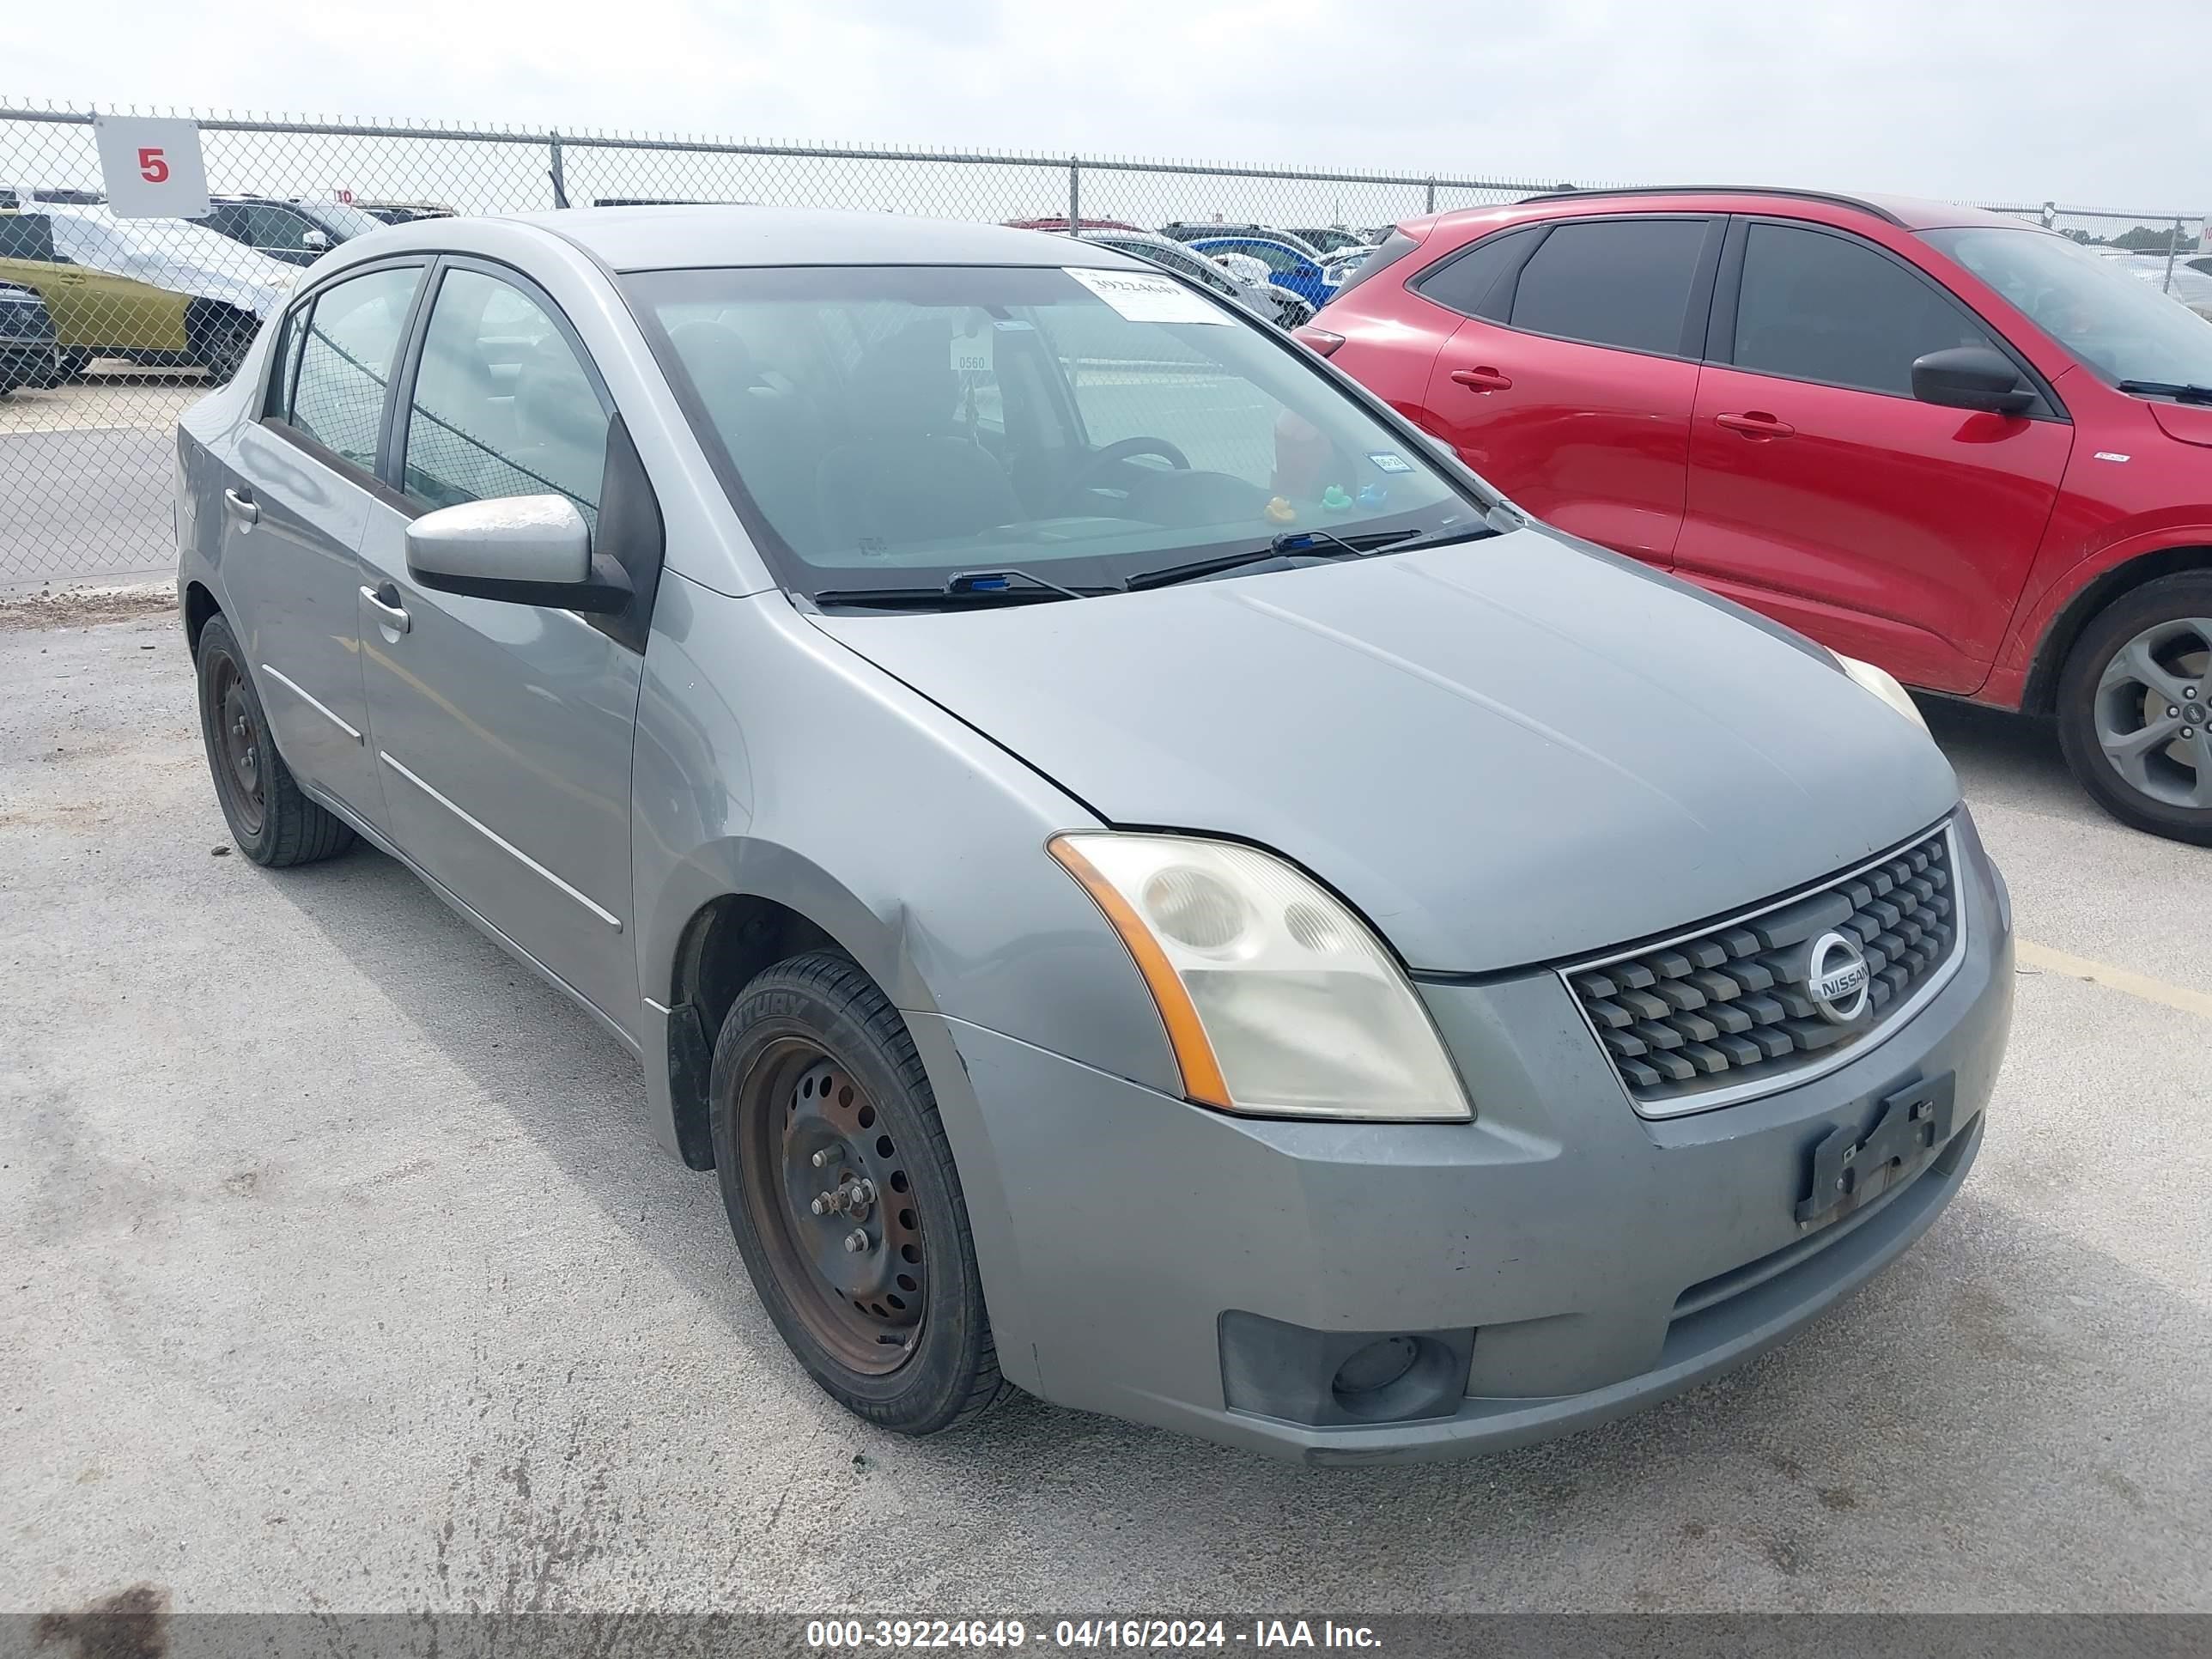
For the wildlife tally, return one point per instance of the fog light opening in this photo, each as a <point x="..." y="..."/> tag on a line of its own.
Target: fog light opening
<point x="1374" y="1382"/>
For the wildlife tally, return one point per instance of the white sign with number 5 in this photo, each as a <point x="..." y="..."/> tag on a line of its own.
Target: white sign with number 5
<point x="151" y="167"/>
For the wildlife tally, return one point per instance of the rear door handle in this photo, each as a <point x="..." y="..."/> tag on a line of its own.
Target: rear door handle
<point x="1756" y="424"/>
<point x="383" y="599"/>
<point x="1484" y="379"/>
<point x="241" y="505"/>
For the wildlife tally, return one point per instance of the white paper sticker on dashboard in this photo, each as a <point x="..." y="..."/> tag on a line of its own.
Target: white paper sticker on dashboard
<point x="1143" y="298"/>
<point x="971" y="353"/>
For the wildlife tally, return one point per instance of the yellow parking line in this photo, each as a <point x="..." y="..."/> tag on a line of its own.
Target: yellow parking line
<point x="2120" y="979"/>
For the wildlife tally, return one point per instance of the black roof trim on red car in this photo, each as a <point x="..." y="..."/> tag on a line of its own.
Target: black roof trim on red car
<point x="1855" y="201"/>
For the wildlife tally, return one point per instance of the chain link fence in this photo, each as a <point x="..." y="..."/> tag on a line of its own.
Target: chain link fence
<point x="112" y="326"/>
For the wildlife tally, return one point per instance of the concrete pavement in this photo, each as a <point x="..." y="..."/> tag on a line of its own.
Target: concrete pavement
<point x="341" y="1271"/>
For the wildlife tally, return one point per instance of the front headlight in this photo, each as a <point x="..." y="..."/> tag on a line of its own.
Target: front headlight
<point x="1883" y="684"/>
<point x="1278" y="1000"/>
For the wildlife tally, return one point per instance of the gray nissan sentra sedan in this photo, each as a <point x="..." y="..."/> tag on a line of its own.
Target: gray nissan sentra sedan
<point x="1146" y="880"/>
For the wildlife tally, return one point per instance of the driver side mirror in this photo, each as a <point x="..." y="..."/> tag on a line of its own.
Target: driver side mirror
<point x="316" y="240"/>
<point x="1971" y="377"/>
<point x="524" y="549"/>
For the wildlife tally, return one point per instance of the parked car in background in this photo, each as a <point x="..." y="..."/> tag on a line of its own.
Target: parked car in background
<point x="1287" y="268"/>
<point x="298" y="232"/>
<point x="1953" y="443"/>
<point x="165" y="293"/>
<point x="1255" y="293"/>
<point x="2188" y="279"/>
<point x="797" y="661"/>
<point x="1341" y="263"/>
<point x="1184" y="230"/>
<point x="403" y="213"/>
<point x="1326" y="240"/>
<point x="30" y="355"/>
<point x="1061" y="225"/>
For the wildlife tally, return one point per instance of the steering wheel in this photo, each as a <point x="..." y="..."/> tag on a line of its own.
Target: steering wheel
<point x="1115" y="453"/>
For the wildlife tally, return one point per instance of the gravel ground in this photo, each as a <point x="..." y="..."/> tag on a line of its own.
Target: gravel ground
<point x="340" y="1272"/>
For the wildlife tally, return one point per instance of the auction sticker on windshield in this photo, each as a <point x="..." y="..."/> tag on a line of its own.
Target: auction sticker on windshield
<point x="1146" y="299"/>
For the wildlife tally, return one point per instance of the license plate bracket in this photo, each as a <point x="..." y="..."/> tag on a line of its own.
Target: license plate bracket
<point x="1851" y="1167"/>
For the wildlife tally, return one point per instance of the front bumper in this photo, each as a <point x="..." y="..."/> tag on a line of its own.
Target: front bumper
<point x="33" y="363"/>
<point x="1603" y="1260"/>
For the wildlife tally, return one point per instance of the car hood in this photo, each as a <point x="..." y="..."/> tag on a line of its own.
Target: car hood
<point x="180" y="257"/>
<point x="2190" y="423"/>
<point x="1507" y="751"/>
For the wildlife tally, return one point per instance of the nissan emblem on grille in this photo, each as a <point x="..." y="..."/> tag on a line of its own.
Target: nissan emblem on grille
<point x="1837" y="979"/>
<point x="1777" y="994"/>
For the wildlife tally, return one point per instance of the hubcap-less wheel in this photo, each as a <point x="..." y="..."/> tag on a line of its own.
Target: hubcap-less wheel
<point x="832" y="1199"/>
<point x="2152" y="704"/>
<point x="240" y="745"/>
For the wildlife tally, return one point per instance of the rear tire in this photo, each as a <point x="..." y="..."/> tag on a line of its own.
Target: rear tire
<point x="2147" y="652"/>
<point x="813" y="1061"/>
<point x="272" y="821"/>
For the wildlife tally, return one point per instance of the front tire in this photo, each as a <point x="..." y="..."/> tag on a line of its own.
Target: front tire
<point x="842" y="1191"/>
<point x="272" y="822"/>
<point x="2135" y="708"/>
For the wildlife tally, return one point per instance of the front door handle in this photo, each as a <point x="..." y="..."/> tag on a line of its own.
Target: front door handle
<point x="1758" y="424"/>
<point x="241" y="505"/>
<point x="383" y="599"/>
<point x="1482" y="378"/>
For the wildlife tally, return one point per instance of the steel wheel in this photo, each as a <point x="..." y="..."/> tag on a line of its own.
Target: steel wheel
<point x="2152" y="706"/>
<point x="830" y="1197"/>
<point x="241" y="750"/>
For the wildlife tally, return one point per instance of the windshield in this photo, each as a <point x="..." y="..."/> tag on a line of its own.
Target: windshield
<point x="2117" y="324"/>
<point x="341" y="219"/>
<point x="887" y="427"/>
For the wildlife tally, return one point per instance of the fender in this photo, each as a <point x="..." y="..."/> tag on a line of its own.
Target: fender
<point x="2025" y="674"/>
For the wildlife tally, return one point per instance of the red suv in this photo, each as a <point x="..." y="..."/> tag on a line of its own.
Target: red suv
<point x="1958" y="445"/>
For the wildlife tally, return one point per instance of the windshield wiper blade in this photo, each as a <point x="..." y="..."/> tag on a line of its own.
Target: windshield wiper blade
<point x="1001" y="580"/>
<point x="935" y="598"/>
<point x="964" y="587"/>
<point x="2181" y="392"/>
<point x="1294" y="544"/>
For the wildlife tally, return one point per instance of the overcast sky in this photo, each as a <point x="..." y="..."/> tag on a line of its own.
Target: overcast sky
<point x="2090" y="101"/>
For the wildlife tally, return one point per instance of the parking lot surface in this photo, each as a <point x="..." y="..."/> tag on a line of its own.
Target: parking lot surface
<point x="341" y="1274"/>
<point x="89" y="469"/>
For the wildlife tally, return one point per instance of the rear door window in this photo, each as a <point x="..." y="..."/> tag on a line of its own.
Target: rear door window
<point x="333" y="381"/>
<point x="1818" y="306"/>
<point x="1612" y="282"/>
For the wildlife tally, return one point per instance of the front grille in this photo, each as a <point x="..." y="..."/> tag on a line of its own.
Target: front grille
<point x="1729" y="1011"/>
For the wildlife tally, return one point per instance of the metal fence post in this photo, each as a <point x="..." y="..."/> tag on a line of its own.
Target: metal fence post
<point x="2172" y="247"/>
<point x="557" y="174"/>
<point x="1429" y="200"/>
<point x="1074" y="196"/>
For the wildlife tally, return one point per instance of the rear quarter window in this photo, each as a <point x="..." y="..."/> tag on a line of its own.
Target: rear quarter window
<point x="1472" y="281"/>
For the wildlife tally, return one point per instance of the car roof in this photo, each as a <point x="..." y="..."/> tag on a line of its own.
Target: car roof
<point x="1907" y="212"/>
<point x="678" y="238"/>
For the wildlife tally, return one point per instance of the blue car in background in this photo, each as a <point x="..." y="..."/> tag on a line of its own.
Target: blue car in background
<point x="1301" y="273"/>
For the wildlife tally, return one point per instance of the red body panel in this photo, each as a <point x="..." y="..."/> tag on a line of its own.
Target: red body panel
<point x="1892" y="530"/>
<point x="1597" y="441"/>
<point x="1944" y="545"/>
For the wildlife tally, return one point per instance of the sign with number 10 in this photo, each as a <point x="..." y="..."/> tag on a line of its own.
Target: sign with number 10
<point x="150" y="166"/>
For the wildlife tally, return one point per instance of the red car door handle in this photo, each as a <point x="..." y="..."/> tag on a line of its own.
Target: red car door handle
<point x="1483" y="379"/>
<point x="1756" y="424"/>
